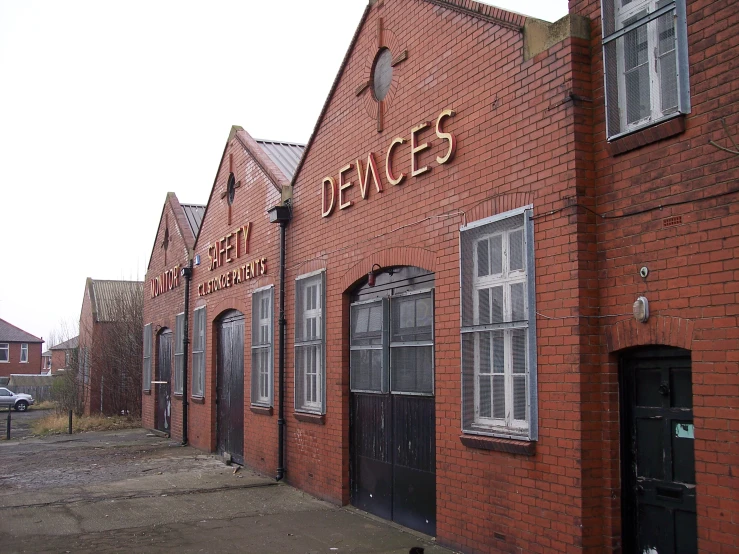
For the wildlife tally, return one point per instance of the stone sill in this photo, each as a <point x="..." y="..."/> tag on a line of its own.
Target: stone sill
<point x="318" y="419"/>
<point x="197" y="400"/>
<point x="648" y="135"/>
<point x="527" y="448"/>
<point x="261" y="410"/>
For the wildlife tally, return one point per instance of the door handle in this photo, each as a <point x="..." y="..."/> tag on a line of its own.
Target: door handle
<point x="671" y="493"/>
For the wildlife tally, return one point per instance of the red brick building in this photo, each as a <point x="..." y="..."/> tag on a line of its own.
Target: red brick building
<point x="235" y="253"/>
<point x="510" y="290"/>
<point x="64" y="354"/>
<point x="164" y="315"/>
<point x="20" y="352"/>
<point x="109" y="346"/>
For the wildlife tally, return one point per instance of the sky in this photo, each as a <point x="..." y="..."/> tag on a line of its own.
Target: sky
<point x="107" y="105"/>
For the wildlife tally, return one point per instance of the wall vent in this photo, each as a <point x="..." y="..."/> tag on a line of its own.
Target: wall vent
<point x="670" y="221"/>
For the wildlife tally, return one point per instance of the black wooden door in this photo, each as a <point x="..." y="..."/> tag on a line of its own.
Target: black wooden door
<point x="164" y="375"/>
<point x="230" y="386"/>
<point x="657" y="446"/>
<point x="392" y="405"/>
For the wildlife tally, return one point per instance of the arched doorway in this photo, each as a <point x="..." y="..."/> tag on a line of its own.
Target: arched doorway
<point x="392" y="405"/>
<point x="164" y="377"/>
<point x="657" y="453"/>
<point x="230" y="386"/>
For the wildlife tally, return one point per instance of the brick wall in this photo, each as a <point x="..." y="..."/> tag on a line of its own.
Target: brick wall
<point x="161" y="310"/>
<point x="252" y="199"/>
<point x="521" y="140"/>
<point x="691" y="250"/>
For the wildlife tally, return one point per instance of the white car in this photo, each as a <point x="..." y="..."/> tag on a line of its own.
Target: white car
<point x="19" y="401"/>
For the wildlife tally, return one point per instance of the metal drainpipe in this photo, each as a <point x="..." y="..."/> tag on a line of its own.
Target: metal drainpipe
<point x="281" y="378"/>
<point x="187" y="274"/>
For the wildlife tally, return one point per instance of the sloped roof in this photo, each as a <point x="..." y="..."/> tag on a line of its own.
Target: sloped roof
<point x="194" y="214"/>
<point x="109" y="297"/>
<point x="11" y="333"/>
<point x="285" y="155"/>
<point x="67" y="344"/>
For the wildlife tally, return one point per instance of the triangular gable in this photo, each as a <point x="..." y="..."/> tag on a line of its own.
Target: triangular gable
<point x="182" y="225"/>
<point x="273" y="173"/>
<point x="479" y="10"/>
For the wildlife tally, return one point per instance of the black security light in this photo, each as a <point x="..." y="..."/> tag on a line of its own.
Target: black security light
<point x="279" y="214"/>
<point x="186" y="272"/>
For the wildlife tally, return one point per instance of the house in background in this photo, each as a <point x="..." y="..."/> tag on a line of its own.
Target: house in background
<point x="46" y="361"/>
<point x="63" y="354"/>
<point x="110" y="346"/>
<point x="20" y="352"/>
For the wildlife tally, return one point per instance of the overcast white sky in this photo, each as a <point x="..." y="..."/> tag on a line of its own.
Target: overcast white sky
<point x="106" y="105"/>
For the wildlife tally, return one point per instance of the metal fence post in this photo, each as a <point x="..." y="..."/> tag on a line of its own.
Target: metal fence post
<point x="70" y="422"/>
<point x="7" y="433"/>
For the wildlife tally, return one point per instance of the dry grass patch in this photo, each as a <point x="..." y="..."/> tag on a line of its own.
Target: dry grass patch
<point x="59" y="424"/>
<point x="45" y="405"/>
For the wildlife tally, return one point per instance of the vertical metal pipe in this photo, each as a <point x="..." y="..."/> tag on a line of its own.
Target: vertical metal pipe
<point x="7" y="431"/>
<point x="281" y="377"/>
<point x="70" y="422"/>
<point x="185" y="342"/>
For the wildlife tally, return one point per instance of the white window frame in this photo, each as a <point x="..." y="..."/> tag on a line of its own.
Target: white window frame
<point x="24" y="353"/>
<point x="5" y="347"/>
<point x="508" y="426"/>
<point x="199" y="341"/>
<point x="179" y="352"/>
<point x="622" y="13"/>
<point x="147" y="357"/>
<point x="312" y="351"/>
<point x="263" y="380"/>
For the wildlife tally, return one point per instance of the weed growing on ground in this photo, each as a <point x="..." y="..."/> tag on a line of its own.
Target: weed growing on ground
<point x="59" y="424"/>
<point x="44" y="405"/>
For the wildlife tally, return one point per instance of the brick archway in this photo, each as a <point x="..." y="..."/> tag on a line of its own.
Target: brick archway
<point x="418" y="257"/>
<point x="665" y="330"/>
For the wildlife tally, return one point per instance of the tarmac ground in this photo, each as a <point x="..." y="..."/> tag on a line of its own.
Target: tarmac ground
<point x="130" y="491"/>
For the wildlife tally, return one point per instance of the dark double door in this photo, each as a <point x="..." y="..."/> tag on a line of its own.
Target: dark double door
<point x="230" y="386"/>
<point x="164" y="378"/>
<point x="392" y="404"/>
<point x="659" y="501"/>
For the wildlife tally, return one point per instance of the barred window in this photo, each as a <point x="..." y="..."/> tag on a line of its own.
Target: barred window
<point x="310" y="348"/>
<point x="498" y="327"/>
<point x="179" y="352"/>
<point x="646" y="63"/>
<point x="198" y="352"/>
<point x="147" y="357"/>
<point x="261" y="347"/>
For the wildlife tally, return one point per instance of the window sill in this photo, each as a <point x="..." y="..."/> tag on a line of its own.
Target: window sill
<point x="197" y="400"/>
<point x="648" y="135"/>
<point x="177" y="395"/>
<point x="261" y="410"/>
<point x="318" y="419"/>
<point x="147" y="392"/>
<point x="527" y="448"/>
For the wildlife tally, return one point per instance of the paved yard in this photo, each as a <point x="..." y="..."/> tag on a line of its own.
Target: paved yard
<point x="126" y="491"/>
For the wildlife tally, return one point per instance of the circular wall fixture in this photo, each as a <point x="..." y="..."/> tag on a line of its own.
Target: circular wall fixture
<point x="382" y="74"/>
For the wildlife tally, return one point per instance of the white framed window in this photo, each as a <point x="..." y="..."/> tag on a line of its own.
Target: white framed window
<point x="646" y="63"/>
<point x="179" y="352"/>
<point x="262" y="301"/>
<point x="198" y="352"/>
<point x="147" y="357"/>
<point x="4" y="352"/>
<point x="310" y="347"/>
<point x="24" y="353"/>
<point x="499" y="392"/>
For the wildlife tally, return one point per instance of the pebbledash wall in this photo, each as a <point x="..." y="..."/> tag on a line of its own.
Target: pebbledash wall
<point x="524" y="188"/>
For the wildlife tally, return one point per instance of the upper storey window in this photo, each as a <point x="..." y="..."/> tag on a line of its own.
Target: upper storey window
<point x="645" y="58"/>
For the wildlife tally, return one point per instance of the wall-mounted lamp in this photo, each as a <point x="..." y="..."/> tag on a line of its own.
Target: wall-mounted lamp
<point x="641" y="309"/>
<point x="186" y="272"/>
<point x="372" y="275"/>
